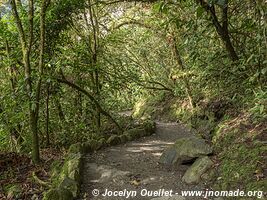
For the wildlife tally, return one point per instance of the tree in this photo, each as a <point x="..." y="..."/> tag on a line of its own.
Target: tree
<point x="26" y="41"/>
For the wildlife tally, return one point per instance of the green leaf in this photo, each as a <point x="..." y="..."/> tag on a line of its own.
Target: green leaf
<point x="250" y="58"/>
<point x="199" y="12"/>
<point x="157" y="6"/>
<point x="264" y="70"/>
<point x="261" y="109"/>
<point x="160" y="7"/>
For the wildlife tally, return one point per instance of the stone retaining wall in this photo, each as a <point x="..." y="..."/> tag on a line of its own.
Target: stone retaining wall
<point x="66" y="184"/>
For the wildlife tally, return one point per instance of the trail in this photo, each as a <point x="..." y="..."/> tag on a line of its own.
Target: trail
<point x="134" y="166"/>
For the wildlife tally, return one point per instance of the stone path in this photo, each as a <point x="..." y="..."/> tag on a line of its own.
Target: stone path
<point x="132" y="169"/>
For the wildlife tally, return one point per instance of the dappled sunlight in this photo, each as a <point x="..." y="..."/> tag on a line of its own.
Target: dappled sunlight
<point x="157" y="154"/>
<point x="104" y="173"/>
<point x="148" y="147"/>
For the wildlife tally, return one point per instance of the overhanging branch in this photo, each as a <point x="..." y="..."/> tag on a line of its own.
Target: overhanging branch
<point x="92" y="99"/>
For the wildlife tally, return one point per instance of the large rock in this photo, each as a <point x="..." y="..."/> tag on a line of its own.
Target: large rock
<point x="136" y="133"/>
<point x="185" y="149"/>
<point x="194" y="173"/>
<point x="70" y="185"/>
<point x="93" y="145"/>
<point x="71" y="168"/>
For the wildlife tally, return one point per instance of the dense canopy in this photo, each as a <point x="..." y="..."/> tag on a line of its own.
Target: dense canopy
<point x="68" y="68"/>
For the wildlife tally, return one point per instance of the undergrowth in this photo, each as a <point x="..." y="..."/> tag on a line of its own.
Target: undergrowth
<point x="238" y="134"/>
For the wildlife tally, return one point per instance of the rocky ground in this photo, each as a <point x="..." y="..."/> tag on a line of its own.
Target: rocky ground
<point x="135" y="167"/>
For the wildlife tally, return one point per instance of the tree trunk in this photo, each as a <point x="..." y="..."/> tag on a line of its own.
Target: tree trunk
<point x="35" y="138"/>
<point x="182" y="67"/>
<point x="221" y="29"/>
<point x="59" y="109"/>
<point x="47" y="116"/>
<point x="92" y="99"/>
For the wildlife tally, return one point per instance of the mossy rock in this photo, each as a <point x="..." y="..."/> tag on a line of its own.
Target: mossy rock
<point x="210" y="175"/>
<point x="150" y="127"/>
<point x="70" y="185"/>
<point x="93" y="145"/>
<point x="184" y="150"/>
<point x="75" y="174"/>
<point x="74" y="167"/>
<point x="113" y="140"/>
<point x="58" y="194"/>
<point x="137" y="132"/>
<point x="123" y="138"/>
<point x="71" y="168"/>
<point x="75" y="148"/>
<point x="55" y="169"/>
<point x="194" y="173"/>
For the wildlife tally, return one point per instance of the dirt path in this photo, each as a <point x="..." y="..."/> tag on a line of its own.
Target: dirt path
<point x="134" y="166"/>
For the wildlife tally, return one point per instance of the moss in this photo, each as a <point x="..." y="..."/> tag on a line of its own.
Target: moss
<point x="199" y="167"/>
<point x="239" y="167"/>
<point x="93" y="145"/>
<point x="75" y="148"/>
<point x="150" y="127"/>
<point x="58" y="194"/>
<point x="96" y="144"/>
<point x="70" y="185"/>
<point x="136" y="133"/>
<point x="55" y="171"/>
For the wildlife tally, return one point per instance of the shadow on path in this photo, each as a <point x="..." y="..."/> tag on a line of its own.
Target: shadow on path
<point x="134" y="166"/>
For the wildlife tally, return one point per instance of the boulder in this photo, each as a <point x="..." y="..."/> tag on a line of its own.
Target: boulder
<point x="71" y="168"/>
<point x="199" y="167"/>
<point x="184" y="150"/>
<point x="70" y="185"/>
<point x="58" y="194"/>
<point x="209" y="175"/>
<point x="137" y="132"/>
<point x="93" y="145"/>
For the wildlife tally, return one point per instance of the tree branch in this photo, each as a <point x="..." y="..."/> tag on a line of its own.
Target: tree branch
<point x="92" y="99"/>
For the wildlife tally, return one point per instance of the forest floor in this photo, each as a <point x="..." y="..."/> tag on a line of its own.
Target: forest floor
<point x="17" y="173"/>
<point x="134" y="166"/>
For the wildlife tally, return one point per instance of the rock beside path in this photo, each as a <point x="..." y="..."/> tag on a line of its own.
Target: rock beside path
<point x="184" y="150"/>
<point x="194" y="173"/>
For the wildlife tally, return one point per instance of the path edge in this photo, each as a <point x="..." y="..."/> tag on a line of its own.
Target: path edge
<point x="67" y="184"/>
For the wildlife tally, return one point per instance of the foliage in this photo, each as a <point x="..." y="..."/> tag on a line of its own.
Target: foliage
<point x="243" y="139"/>
<point x="196" y="61"/>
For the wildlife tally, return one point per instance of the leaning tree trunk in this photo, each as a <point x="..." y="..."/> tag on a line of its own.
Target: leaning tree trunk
<point x="221" y="28"/>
